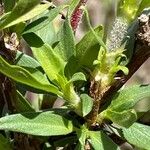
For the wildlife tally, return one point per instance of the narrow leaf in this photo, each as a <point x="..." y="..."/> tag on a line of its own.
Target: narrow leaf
<point x="123" y="118"/>
<point x="66" y="45"/>
<point x="4" y="143"/>
<point x="43" y="21"/>
<point x="21" y="75"/>
<point x="88" y="48"/>
<point x="51" y="62"/>
<point x="8" y="5"/>
<point x="23" y="11"/>
<point x="82" y="135"/>
<point x="22" y="105"/>
<point x="72" y="6"/>
<point x="128" y="97"/>
<point x="87" y="103"/>
<point x="138" y="135"/>
<point x="79" y="76"/>
<point x="143" y="4"/>
<point x="42" y="124"/>
<point x="127" y="9"/>
<point x="100" y="141"/>
<point x="25" y="60"/>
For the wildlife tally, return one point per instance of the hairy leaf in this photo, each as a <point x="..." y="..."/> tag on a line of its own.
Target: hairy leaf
<point x="51" y="62"/>
<point x="4" y="143"/>
<point x="87" y="103"/>
<point x="100" y="141"/>
<point x="124" y="118"/>
<point x="43" y="20"/>
<point x="21" y="75"/>
<point x="88" y="48"/>
<point x="42" y="124"/>
<point x="143" y="4"/>
<point x="128" y="97"/>
<point x="23" y="11"/>
<point x="138" y="135"/>
<point x="66" y="45"/>
<point x="22" y="105"/>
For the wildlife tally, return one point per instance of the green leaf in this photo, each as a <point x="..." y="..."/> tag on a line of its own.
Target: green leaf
<point x="127" y="9"/>
<point x="79" y="76"/>
<point x="128" y="97"/>
<point x="8" y="5"/>
<point x="23" y="11"/>
<point x="143" y="4"/>
<point x="124" y="118"/>
<point x="88" y="48"/>
<point x="43" y="20"/>
<point x="66" y="45"/>
<point x="82" y="135"/>
<point x="73" y="4"/>
<point x="129" y="40"/>
<point x="138" y="135"/>
<point x="21" y="75"/>
<point x="24" y="60"/>
<point x="22" y="105"/>
<point x="41" y="124"/>
<point x="51" y="62"/>
<point x="4" y="143"/>
<point x="100" y="141"/>
<point x="87" y="103"/>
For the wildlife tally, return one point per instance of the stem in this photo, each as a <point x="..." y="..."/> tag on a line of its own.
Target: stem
<point x="89" y="24"/>
<point x="142" y="53"/>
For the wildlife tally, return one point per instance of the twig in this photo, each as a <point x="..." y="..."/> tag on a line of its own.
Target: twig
<point x="142" y="53"/>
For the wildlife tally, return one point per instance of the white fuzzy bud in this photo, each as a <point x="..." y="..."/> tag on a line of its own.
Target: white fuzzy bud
<point x="117" y="34"/>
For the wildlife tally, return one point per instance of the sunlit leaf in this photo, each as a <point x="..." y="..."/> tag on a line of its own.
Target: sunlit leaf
<point x="138" y="135"/>
<point x="43" y="124"/>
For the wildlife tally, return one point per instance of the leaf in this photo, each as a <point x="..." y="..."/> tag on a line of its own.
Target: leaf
<point x="79" y="76"/>
<point x="48" y="34"/>
<point x="129" y="40"/>
<point x="24" y="60"/>
<point x="21" y="75"/>
<point x="23" y="11"/>
<point x="127" y="9"/>
<point x="66" y="45"/>
<point x="87" y="103"/>
<point x="4" y="143"/>
<point x="8" y="5"/>
<point x="43" y="20"/>
<point x="88" y="48"/>
<point x="73" y="4"/>
<point x="143" y="4"/>
<point x="100" y="141"/>
<point x="22" y="105"/>
<point x="124" y="118"/>
<point x="128" y="97"/>
<point x="65" y="141"/>
<point x="51" y="62"/>
<point x="41" y="124"/>
<point x="138" y="135"/>
<point x="82" y="135"/>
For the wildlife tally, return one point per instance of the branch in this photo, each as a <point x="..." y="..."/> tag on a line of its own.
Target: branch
<point x="142" y="53"/>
